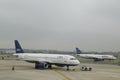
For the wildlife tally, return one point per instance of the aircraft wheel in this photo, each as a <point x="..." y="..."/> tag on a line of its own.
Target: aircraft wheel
<point x="90" y="69"/>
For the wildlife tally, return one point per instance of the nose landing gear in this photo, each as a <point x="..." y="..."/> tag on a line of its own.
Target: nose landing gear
<point x="68" y="68"/>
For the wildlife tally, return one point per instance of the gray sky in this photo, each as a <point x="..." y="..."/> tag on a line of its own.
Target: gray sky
<point x="91" y="25"/>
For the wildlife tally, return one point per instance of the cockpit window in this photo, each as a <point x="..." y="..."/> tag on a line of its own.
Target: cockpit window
<point x="72" y="59"/>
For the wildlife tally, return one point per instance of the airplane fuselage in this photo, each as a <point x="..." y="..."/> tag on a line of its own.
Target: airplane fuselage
<point x="49" y="58"/>
<point x="97" y="56"/>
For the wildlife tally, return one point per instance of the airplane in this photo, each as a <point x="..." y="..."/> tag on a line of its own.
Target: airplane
<point x="45" y="61"/>
<point x="96" y="57"/>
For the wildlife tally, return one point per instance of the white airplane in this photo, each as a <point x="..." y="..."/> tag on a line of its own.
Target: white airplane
<point x="96" y="57"/>
<point x="45" y="60"/>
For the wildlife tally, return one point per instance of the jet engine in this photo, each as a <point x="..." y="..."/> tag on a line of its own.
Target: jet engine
<point x="41" y="65"/>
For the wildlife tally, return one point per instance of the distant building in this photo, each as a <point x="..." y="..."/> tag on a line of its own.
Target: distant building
<point x="7" y="51"/>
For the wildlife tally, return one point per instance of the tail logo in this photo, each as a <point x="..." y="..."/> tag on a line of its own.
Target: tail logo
<point x="78" y="51"/>
<point x="18" y="49"/>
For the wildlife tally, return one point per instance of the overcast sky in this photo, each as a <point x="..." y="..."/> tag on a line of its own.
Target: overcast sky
<point x="91" y="25"/>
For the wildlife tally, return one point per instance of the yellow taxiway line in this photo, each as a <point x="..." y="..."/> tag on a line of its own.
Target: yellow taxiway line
<point x="66" y="77"/>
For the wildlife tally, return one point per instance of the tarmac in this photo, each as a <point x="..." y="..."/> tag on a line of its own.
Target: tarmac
<point x="21" y="70"/>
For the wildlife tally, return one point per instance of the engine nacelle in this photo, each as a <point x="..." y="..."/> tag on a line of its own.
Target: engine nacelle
<point x="41" y="65"/>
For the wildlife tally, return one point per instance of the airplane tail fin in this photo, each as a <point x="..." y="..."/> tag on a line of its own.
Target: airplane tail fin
<point x="78" y="51"/>
<point x="18" y="47"/>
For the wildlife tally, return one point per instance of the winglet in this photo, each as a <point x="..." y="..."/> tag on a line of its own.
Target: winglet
<point x="18" y="47"/>
<point x="78" y="51"/>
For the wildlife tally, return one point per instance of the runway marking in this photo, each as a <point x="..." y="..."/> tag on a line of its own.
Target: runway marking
<point x="66" y="77"/>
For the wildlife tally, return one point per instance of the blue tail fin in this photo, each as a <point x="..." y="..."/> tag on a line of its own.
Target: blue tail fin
<point x="78" y="51"/>
<point x="18" y="48"/>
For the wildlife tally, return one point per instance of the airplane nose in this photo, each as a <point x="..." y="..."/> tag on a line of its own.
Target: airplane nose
<point x="115" y="58"/>
<point x="77" y="62"/>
